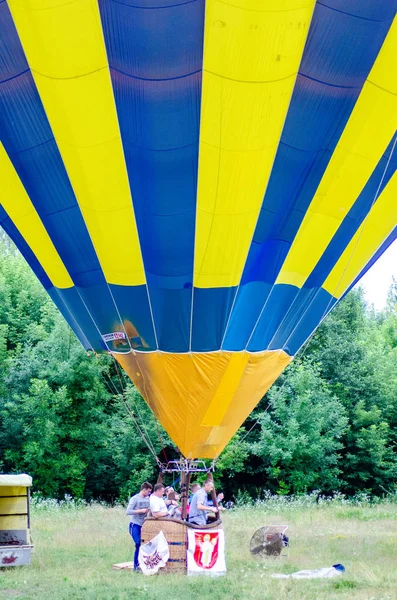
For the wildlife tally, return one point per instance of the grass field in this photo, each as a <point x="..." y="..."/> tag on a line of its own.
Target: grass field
<point x="75" y="548"/>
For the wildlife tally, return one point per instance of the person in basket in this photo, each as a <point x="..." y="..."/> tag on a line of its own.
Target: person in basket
<point x="158" y="507"/>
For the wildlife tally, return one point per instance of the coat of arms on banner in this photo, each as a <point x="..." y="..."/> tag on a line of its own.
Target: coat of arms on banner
<point x="206" y="551"/>
<point x="154" y="554"/>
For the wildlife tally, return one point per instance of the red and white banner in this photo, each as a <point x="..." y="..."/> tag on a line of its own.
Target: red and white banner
<point x="154" y="554"/>
<point x="206" y="552"/>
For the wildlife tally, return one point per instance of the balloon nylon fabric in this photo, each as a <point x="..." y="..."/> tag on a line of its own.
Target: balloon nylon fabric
<point x="202" y="399"/>
<point x="196" y="184"/>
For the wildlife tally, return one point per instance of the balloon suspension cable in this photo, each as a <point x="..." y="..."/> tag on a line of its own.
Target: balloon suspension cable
<point x="144" y="434"/>
<point x="186" y="465"/>
<point x="282" y="386"/>
<point x="113" y="389"/>
<point x="145" y="438"/>
<point x="159" y="436"/>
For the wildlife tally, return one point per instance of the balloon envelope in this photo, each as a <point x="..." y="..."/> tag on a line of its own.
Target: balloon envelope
<point x="197" y="183"/>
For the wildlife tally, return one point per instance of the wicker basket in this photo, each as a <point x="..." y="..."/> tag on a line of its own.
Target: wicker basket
<point x="175" y="532"/>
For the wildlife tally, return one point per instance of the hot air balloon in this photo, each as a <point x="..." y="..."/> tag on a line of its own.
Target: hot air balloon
<point x="197" y="183"/>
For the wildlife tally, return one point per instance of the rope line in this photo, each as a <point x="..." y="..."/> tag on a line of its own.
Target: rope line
<point x="148" y="444"/>
<point x="213" y="214"/>
<point x="114" y="391"/>
<point x="302" y="351"/>
<point x="145" y="436"/>
<point x="152" y="316"/>
<point x="122" y="394"/>
<point x="160" y="440"/>
<point x="255" y="424"/>
<point x="159" y="436"/>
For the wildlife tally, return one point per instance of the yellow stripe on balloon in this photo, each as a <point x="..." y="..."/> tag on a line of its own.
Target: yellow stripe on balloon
<point x="367" y="134"/>
<point x="379" y="223"/>
<point x="64" y="45"/>
<point x="17" y="204"/>
<point x="219" y="404"/>
<point x="252" y="51"/>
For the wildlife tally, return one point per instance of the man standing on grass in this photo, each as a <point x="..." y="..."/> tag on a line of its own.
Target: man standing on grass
<point x="137" y="509"/>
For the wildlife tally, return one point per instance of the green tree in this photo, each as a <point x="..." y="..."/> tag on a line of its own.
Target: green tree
<point x="358" y="362"/>
<point x="300" y="437"/>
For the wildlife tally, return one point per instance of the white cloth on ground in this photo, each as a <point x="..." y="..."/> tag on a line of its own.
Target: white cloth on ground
<point x="324" y="573"/>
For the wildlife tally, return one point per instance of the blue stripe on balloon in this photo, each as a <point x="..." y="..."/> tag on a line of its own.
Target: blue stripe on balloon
<point x="11" y="52"/>
<point x="29" y="142"/>
<point x="73" y="310"/>
<point x="306" y="313"/>
<point x="372" y="11"/>
<point x="90" y="338"/>
<point x="303" y="309"/>
<point x="9" y="227"/>
<point x="380" y="177"/>
<point x="211" y="311"/>
<point x="289" y="318"/>
<point x="339" y="53"/>
<point x="155" y="57"/>
<point x="274" y="313"/>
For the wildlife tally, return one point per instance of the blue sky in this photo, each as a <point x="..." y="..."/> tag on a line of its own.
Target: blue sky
<point x="377" y="280"/>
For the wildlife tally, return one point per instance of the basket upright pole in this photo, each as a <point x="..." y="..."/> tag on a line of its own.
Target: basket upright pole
<point x="185" y="482"/>
<point x="213" y="493"/>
